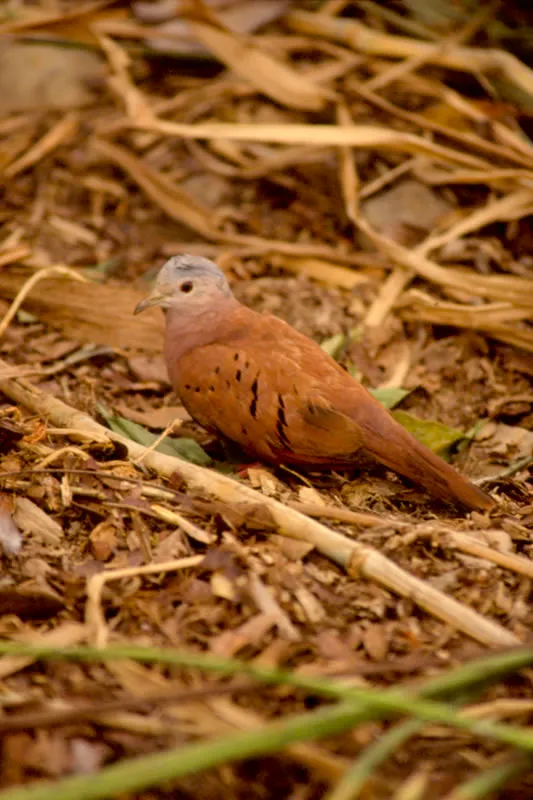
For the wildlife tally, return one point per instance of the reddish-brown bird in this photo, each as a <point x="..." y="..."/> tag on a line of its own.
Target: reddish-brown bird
<point x="254" y="379"/>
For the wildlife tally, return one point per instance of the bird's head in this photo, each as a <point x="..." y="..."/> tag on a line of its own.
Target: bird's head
<point x="187" y="282"/>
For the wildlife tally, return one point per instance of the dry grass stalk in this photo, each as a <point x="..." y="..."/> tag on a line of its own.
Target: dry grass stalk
<point x="412" y="63"/>
<point x="267" y="74"/>
<point x="492" y="319"/>
<point x="360" y="136"/>
<point x="167" y="195"/>
<point x="469" y="544"/>
<point x="64" y="131"/>
<point x="66" y="635"/>
<point x="93" y="313"/>
<point x="28" y="286"/>
<point x="510" y="288"/>
<point x="172" y="517"/>
<point x="217" y="716"/>
<point x="10" y="255"/>
<point x="466" y="543"/>
<point x="94" y="616"/>
<point x="31" y="519"/>
<point x="513" y="206"/>
<point x="509" y="151"/>
<point x="357" y="559"/>
<point x="375" y="43"/>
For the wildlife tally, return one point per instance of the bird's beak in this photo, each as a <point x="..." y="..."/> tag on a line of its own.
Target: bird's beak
<point x="155" y="298"/>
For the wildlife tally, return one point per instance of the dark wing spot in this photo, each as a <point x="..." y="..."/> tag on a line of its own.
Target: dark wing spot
<point x="236" y="357"/>
<point x="187" y="385"/>
<point x="238" y="375"/>
<point x="217" y="370"/>
<point x="281" y="424"/>
<point x="282" y="435"/>
<point x="322" y="413"/>
<point x="196" y="388"/>
<point x="211" y="388"/>
<point x="255" y="392"/>
<point x="246" y="364"/>
<point x="243" y="429"/>
<point x="228" y="384"/>
<point x="281" y="411"/>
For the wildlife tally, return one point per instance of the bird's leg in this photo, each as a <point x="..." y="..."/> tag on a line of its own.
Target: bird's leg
<point x="241" y="470"/>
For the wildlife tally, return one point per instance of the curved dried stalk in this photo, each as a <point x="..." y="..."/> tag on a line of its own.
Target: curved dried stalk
<point x="356" y="558"/>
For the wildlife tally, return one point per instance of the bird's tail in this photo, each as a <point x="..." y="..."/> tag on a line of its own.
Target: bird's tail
<point x="392" y="445"/>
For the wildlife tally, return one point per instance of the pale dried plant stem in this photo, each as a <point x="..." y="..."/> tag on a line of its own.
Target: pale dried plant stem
<point x="465" y="318"/>
<point x="192" y="530"/>
<point x="471" y="141"/>
<point x="64" y="131"/>
<point x="392" y="175"/>
<point x="361" y="518"/>
<point x="441" y="46"/>
<point x="468" y="544"/>
<point x="500" y="709"/>
<point x="371" y="42"/>
<point x="28" y="286"/>
<point x="57" y="454"/>
<point x="512" y="206"/>
<point x="94" y="616"/>
<point x="361" y="136"/>
<point x="464" y="542"/>
<point x="67" y="634"/>
<point x="357" y="559"/>
<point x="10" y="255"/>
<point x="515" y="290"/>
<point x="171" y="428"/>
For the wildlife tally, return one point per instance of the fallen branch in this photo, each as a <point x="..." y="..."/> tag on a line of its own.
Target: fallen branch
<point x="357" y="559"/>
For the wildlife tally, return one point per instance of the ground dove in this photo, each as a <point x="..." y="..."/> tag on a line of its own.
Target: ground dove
<point x="254" y="379"/>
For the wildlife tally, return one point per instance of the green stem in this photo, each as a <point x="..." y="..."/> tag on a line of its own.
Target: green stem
<point x="481" y="670"/>
<point x="352" y="782"/>
<point x="388" y="703"/>
<point x="489" y="781"/>
<point x="359" y="706"/>
<point x="157" y="768"/>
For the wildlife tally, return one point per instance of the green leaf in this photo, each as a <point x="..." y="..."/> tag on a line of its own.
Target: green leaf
<point x="390" y="397"/>
<point x="334" y="344"/>
<point x="190" y="451"/>
<point x="101" y="271"/>
<point x="437" y="437"/>
<point x="25" y="318"/>
<point x="170" y="446"/>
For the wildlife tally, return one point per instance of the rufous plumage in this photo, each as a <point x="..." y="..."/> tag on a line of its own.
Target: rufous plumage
<point x="254" y="379"/>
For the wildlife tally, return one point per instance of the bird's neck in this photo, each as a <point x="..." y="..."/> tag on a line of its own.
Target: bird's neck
<point x="185" y="332"/>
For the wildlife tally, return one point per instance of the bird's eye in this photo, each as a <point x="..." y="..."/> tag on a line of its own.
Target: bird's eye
<point x="186" y="287"/>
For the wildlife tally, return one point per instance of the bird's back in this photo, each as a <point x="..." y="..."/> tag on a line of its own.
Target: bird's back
<point x="282" y="398"/>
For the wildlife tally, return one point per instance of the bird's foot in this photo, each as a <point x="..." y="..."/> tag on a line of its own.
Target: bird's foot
<point x="241" y="470"/>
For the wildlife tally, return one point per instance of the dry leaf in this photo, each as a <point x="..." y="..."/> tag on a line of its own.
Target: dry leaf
<point x="376" y="642"/>
<point x="270" y="76"/>
<point x="32" y="600"/>
<point x="175" y="35"/>
<point x="158" y="418"/>
<point x="43" y="76"/>
<point x="33" y="520"/>
<point x="408" y="203"/>
<point x="10" y="537"/>
<point x="149" y="369"/>
<point x="103" y="540"/>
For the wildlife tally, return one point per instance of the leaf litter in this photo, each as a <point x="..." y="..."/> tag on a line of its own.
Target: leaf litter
<point x="344" y="173"/>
